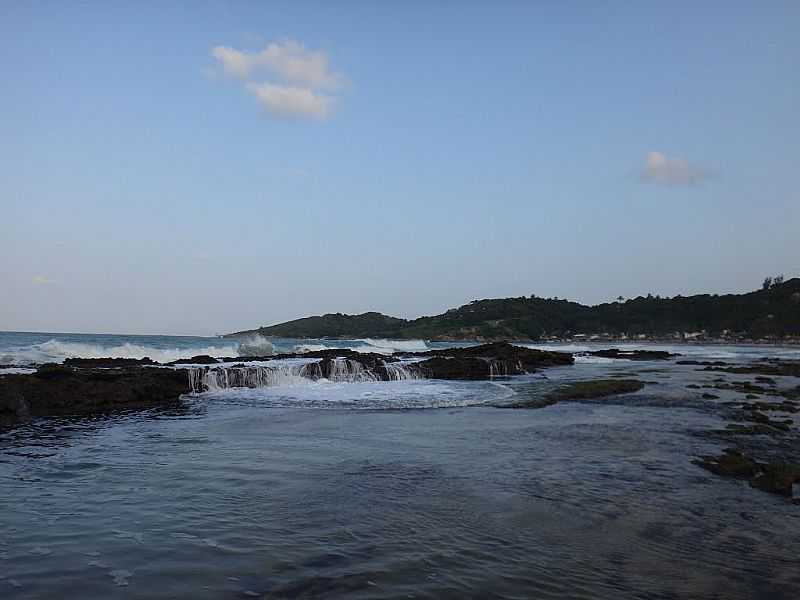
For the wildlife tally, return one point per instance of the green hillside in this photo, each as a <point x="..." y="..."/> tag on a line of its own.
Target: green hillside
<point x="771" y="312"/>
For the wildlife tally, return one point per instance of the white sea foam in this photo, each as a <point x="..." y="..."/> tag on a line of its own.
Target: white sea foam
<point x="425" y="393"/>
<point x="303" y="348"/>
<point x="592" y="360"/>
<point x="16" y="371"/>
<point x="56" y="351"/>
<point x="390" y="346"/>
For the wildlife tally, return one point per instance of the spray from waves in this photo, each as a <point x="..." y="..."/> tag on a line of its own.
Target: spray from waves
<point x="56" y="351"/>
<point x="255" y="345"/>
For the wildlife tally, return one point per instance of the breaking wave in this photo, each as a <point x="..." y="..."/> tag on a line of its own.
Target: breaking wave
<point x="56" y="351"/>
<point x="390" y="346"/>
<point x="255" y="345"/>
<point x="303" y="348"/>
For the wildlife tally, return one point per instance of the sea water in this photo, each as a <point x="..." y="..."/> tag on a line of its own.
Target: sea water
<point x="376" y="489"/>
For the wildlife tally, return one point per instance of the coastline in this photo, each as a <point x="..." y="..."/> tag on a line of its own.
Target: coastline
<point x="791" y="341"/>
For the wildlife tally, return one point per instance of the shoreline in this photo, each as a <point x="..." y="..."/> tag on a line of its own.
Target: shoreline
<point x="664" y="341"/>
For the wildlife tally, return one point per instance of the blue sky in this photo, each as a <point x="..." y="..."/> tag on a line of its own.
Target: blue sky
<point x="401" y="157"/>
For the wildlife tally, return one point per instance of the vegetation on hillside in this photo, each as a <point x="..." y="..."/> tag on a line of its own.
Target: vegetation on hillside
<point x="772" y="311"/>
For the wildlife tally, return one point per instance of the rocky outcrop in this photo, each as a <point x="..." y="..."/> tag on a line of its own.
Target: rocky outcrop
<point x="633" y="354"/>
<point x="85" y="386"/>
<point x="472" y="363"/>
<point x="107" y="363"/>
<point x="67" y="390"/>
<point x="487" y="361"/>
<point x="202" y="359"/>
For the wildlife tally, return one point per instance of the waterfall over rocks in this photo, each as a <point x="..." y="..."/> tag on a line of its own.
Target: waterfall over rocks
<point x="486" y="362"/>
<point x="295" y="372"/>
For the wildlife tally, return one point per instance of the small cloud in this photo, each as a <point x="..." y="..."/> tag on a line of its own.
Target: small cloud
<point x="288" y="60"/>
<point x="233" y="62"/>
<point x="666" y="170"/>
<point x="42" y="280"/>
<point x="294" y="77"/>
<point x="288" y="101"/>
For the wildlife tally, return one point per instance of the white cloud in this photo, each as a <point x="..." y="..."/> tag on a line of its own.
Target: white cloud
<point x="289" y="101"/>
<point x="285" y="77"/>
<point x="289" y="60"/>
<point x="233" y="62"/>
<point x="665" y="170"/>
<point x="42" y="280"/>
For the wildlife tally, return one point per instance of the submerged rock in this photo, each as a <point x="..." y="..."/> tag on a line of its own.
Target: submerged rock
<point x="731" y="463"/>
<point x="633" y="354"/>
<point x="598" y="388"/>
<point x="776" y="477"/>
<point x="703" y="363"/>
<point x="582" y="390"/>
<point x="767" y="368"/>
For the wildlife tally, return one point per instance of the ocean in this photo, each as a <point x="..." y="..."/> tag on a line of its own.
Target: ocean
<point x="400" y="489"/>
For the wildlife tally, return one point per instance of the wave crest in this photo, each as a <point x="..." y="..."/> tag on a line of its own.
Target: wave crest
<point x="56" y="351"/>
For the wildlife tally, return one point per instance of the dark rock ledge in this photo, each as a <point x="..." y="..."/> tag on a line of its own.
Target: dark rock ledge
<point x="618" y="354"/>
<point x="67" y="390"/>
<point x="97" y="385"/>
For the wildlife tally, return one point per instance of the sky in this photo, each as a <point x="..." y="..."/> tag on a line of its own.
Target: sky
<point x="205" y="167"/>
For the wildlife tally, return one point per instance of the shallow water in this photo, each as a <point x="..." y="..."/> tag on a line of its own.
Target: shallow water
<point x="260" y="493"/>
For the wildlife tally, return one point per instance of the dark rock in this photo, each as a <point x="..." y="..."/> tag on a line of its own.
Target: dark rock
<point x="202" y="359"/>
<point x="634" y="354"/>
<point x="731" y="463"/>
<point x="759" y="417"/>
<point x="777" y="478"/>
<point x="486" y="361"/>
<point x="62" y="390"/>
<point x="581" y="390"/>
<point x="107" y="362"/>
<point x="758" y="429"/>
<point x="702" y="363"/>
<point x="773" y="367"/>
<point x="598" y="388"/>
<point x="464" y="367"/>
<point x="785" y="406"/>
